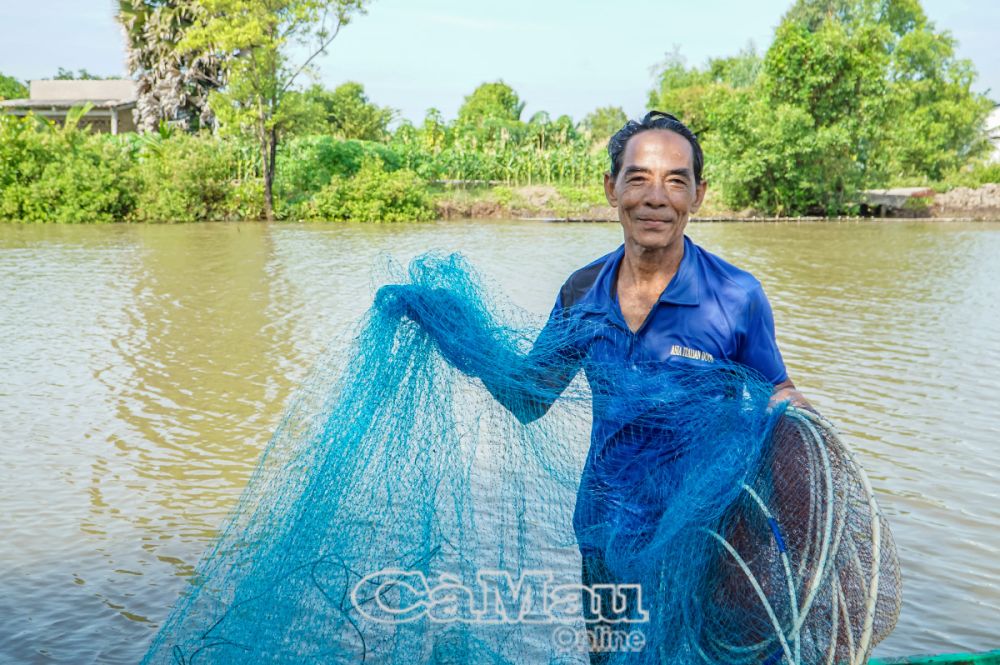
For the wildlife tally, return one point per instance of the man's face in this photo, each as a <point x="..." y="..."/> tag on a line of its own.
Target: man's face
<point x="655" y="191"/>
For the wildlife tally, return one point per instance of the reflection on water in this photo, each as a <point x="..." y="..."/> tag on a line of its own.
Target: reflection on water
<point x="142" y="369"/>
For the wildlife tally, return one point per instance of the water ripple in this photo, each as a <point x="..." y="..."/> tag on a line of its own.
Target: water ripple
<point x="143" y="369"/>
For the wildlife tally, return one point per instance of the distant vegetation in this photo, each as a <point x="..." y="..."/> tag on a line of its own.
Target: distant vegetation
<point x="851" y="94"/>
<point x="11" y="88"/>
<point x="79" y="75"/>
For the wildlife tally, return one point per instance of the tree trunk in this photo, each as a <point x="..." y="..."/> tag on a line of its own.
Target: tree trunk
<point x="265" y="154"/>
<point x="268" y="141"/>
<point x="269" y="175"/>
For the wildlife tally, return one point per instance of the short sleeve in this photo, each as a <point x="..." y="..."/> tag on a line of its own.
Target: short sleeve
<point x="758" y="347"/>
<point x="554" y="345"/>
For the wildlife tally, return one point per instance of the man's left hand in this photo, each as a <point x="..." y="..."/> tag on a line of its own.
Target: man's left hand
<point x="786" y="392"/>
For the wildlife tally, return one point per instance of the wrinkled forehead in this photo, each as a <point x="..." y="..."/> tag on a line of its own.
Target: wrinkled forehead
<point x="658" y="149"/>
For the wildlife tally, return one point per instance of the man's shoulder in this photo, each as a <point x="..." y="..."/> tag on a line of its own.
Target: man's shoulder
<point x="726" y="275"/>
<point x="581" y="281"/>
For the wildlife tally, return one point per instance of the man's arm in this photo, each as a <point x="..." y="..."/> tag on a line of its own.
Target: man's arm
<point x="529" y="384"/>
<point x="526" y="384"/>
<point x="759" y="350"/>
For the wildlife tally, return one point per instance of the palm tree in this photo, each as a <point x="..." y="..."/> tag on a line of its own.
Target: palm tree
<point x="172" y="84"/>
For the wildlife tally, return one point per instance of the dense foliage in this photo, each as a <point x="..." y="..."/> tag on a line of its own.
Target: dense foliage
<point x="308" y="163"/>
<point x="344" y="112"/>
<point x="490" y="143"/>
<point x="372" y="195"/>
<point x="11" y="88"/>
<point x="62" y="174"/>
<point x="184" y="178"/>
<point x="850" y="95"/>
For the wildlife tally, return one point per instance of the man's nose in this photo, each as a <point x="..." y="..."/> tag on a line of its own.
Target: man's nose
<point x="656" y="194"/>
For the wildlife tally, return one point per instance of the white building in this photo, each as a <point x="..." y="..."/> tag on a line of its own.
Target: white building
<point x="112" y="102"/>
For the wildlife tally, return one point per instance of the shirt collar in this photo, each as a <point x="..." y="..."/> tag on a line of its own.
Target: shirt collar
<point x="681" y="290"/>
<point x="683" y="287"/>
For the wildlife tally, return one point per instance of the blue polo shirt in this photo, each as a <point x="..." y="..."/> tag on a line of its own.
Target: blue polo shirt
<point x="711" y="311"/>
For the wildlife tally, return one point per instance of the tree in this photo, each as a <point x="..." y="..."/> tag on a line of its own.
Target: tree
<point x="172" y="84"/>
<point x="80" y="75"/>
<point x="936" y="121"/>
<point x="772" y="157"/>
<point x="601" y="123"/>
<point x="852" y="94"/>
<point x="691" y="93"/>
<point x="803" y="138"/>
<point x="491" y="114"/>
<point x="491" y="101"/>
<point x="346" y="112"/>
<point x="11" y="88"/>
<point x="930" y="122"/>
<point x="255" y="37"/>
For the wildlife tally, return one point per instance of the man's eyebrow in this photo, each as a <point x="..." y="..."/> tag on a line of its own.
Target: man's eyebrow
<point x="683" y="171"/>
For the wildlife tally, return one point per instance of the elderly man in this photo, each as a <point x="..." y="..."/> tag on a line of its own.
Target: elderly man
<point x="664" y="298"/>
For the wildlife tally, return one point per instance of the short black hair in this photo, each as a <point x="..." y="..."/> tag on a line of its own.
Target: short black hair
<point x="653" y="120"/>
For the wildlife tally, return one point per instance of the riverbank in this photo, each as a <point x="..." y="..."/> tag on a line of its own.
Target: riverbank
<point x="401" y="196"/>
<point x="587" y="204"/>
<point x="71" y="176"/>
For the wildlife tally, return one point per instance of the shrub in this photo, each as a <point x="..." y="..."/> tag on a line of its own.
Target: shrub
<point x="11" y="88"/>
<point x="63" y="174"/>
<point x="372" y="195"/>
<point x="245" y="200"/>
<point x="974" y="176"/>
<point x="583" y="196"/>
<point x="185" y="178"/>
<point x="307" y="164"/>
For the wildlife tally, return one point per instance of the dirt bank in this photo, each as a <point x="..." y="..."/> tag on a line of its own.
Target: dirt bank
<point x="536" y="201"/>
<point x="980" y="203"/>
<point x="586" y="204"/>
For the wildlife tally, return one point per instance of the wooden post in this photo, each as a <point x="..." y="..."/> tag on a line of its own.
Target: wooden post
<point x="114" y="120"/>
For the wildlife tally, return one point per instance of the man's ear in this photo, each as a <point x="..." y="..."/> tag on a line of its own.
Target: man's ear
<point x="609" y="190"/>
<point x="699" y="195"/>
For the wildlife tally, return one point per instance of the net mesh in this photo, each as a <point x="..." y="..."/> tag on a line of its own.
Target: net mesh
<point x="434" y="496"/>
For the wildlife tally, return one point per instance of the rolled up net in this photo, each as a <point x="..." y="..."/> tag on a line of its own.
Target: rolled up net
<point x="434" y="496"/>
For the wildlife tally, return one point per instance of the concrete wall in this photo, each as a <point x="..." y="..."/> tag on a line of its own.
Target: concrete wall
<point x="119" y="89"/>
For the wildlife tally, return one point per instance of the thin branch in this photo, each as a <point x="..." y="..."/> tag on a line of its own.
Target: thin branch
<point x="321" y="49"/>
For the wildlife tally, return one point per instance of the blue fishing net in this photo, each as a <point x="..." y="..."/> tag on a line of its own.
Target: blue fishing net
<point x="434" y="496"/>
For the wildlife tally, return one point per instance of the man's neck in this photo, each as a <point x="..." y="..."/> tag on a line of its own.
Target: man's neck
<point x="650" y="269"/>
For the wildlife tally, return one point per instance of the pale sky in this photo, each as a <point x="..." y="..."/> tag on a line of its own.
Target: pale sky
<point x="561" y="56"/>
